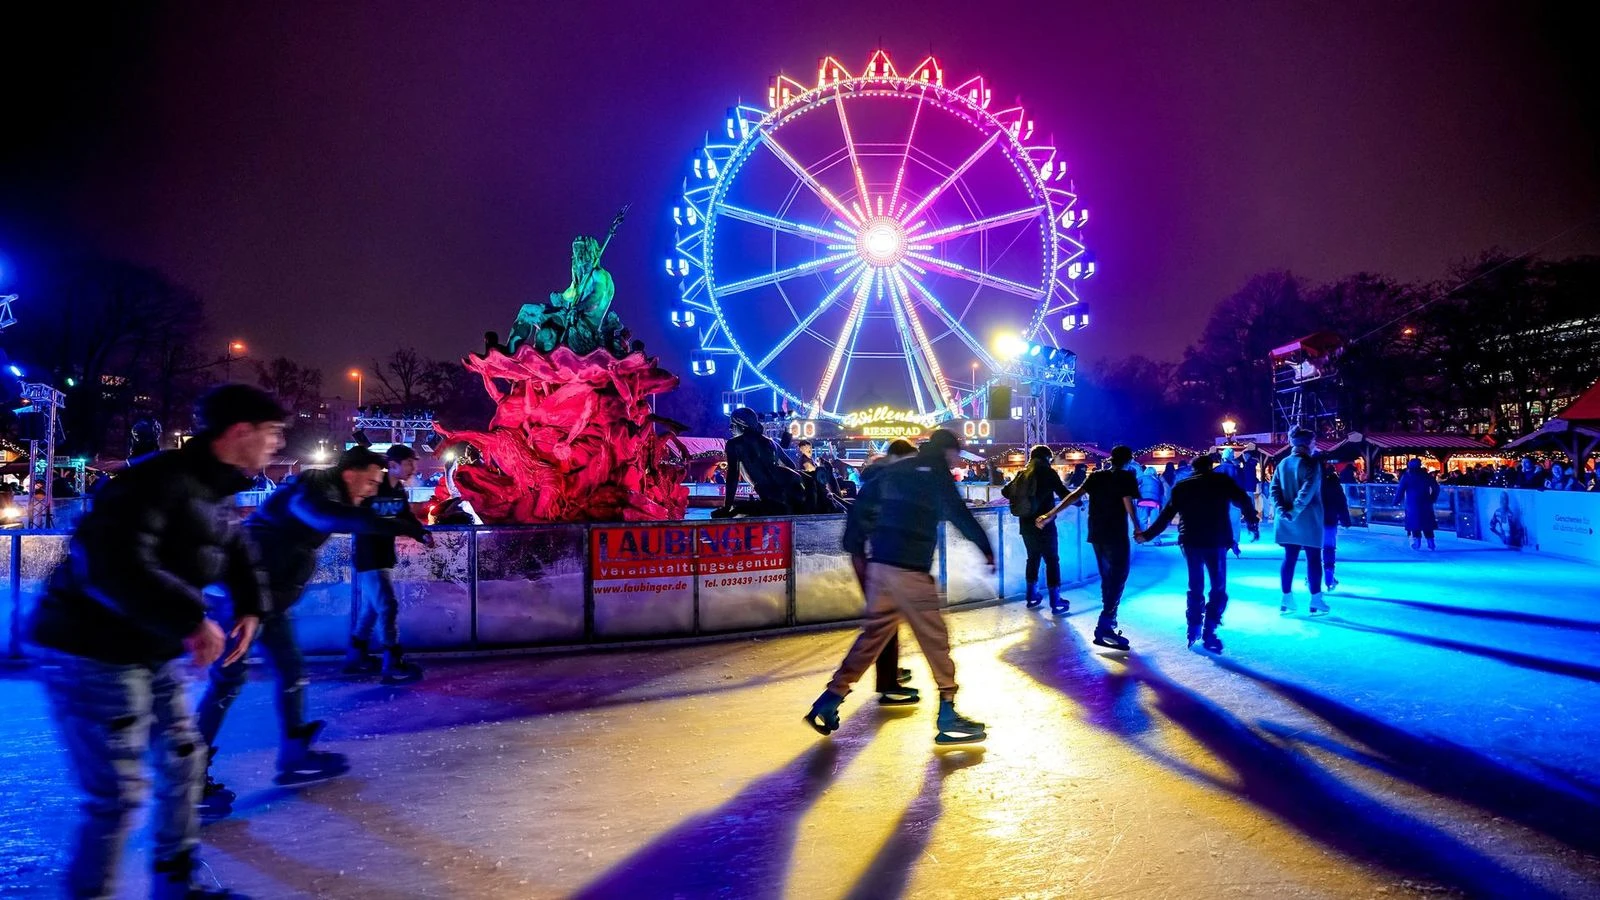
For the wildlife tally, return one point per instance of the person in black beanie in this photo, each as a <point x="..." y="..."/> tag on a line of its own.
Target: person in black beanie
<point x="123" y="608"/>
<point x="287" y="530"/>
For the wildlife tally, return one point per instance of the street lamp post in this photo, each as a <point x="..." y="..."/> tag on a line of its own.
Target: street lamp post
<point x="234" y="347"/>
<point x="356" y="374"/>
<point x="1229" y="426"/>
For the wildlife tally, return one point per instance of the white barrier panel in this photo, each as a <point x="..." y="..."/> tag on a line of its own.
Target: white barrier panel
<point x="1564" y="524"/>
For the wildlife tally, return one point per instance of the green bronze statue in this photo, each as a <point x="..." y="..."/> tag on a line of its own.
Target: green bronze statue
<point x="579" y="317"/>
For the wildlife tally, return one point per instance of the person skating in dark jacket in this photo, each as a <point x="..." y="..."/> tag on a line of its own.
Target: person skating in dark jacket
<point x="1032" y="494"/>
<point x="753" y="455"/>
<point x="892" y="681"/>
<point x="287" y="530"/>
<point x="1417" y="492"/>
<point x="1206" y="501"/>
<point x="375" y="559"/>
<point x="123" y="608"/>
<point x="898" y="515"/>
<point x="1112" y="491"/>
<point x="1335" y="515"/>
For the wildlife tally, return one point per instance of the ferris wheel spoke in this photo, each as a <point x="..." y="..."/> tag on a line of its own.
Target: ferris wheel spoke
<point x="902" y="299"/>
<point x="984" y="224"/>
<point x="810" y="181"/>
<point x="801" y="326"/>
<point x="852" y="323"/>
<point x="900" y="176"/>
<point x="855" y="161"/>
<point x="952" y="178"/>
<point x="932" y="304"/>
<point x="798" y="229"/>
<point x="805" y="268"/>
<point x="956" y="270"/>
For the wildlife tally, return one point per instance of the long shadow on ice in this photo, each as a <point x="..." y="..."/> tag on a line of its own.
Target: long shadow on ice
<point x="1525" y="660"/>
<point x="1497" y="615"/>
<point x="889" y="875"/>
<point x="1280" y="781"/>
<point x="1446" y="768"/>
<point x="1297" y="791"/>
<point x="742" y="848"/>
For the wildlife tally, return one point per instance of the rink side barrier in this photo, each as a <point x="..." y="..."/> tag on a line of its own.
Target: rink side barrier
<point x="507" y="587"/>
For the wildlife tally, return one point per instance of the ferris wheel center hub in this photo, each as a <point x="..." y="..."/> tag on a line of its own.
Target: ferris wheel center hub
<point x="881" y="241"/>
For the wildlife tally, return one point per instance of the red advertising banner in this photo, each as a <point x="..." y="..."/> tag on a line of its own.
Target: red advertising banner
<point x="624" y="553"/>
<point x="743" y="569"/>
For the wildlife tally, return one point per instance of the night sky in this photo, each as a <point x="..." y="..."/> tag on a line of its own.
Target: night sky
<point x="341" y="179"/>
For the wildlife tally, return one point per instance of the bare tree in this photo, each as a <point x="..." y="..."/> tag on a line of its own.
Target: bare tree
<point x="402" y="378"/>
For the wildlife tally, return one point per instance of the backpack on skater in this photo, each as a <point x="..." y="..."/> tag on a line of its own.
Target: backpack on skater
<point x="1019" y="491"/>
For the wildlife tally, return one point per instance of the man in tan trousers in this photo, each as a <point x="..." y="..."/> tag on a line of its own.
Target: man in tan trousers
<point x="898" y="513"/>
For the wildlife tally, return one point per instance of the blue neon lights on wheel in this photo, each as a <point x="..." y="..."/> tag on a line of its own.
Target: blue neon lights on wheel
<point x="868" y="240"/>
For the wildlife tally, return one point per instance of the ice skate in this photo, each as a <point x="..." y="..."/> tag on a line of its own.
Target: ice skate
<point x="299" y="764"/>
<point x="1211" y="642"/>
<point x="173" y="879"/>
<point x="904" y="696"/>
<point x="1287" y="607"/>
<point x="1318" y="607"/>
<point x="824" y="715"/>
<point x="1329" y="582"/>
<point x="358" y="660"/>
<point x="397" y="671"/>
<point x="1194" y="633"/>
<point x="1034" y="600"/>
<point x="1432" y="545"/>
<point x="1107" y="635"/>
<point x="1416" y="543"/>
<point x="216" y="801"/>
<point x="1059" y="606"/>
<point x="955" y="728"/>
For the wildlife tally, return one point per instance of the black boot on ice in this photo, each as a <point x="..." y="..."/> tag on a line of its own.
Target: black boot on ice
<point x="1210" y="641"/>
<point x="358" y="660"/>
<point x="1107" y="635"/>
<point x="1033" y="596"/>
<point x="1058" y="605"/>
<point x="954" y="728"/>
<point x="396" y="670"/>
<point x="299" y="764"/>
<point x="824" y="715"/>
<point x="216" y="801"/>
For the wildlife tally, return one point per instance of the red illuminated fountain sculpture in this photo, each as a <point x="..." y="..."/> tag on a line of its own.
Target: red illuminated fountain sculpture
<point x="573" y="438"/>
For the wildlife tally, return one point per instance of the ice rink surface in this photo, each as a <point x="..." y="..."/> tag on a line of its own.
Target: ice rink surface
<point x="1435" y="736"/>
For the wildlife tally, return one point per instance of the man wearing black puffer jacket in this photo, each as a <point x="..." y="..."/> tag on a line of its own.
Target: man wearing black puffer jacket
<point x="1205" y="500"/>
<point x="123" y="608"/>
<point x="898" y="515"/>
<point x="287" y="530"/>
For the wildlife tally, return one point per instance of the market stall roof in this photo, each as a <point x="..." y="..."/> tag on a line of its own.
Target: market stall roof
<point x="1164" y="452"/>
<point x="1400" y="443"/>
<point x="702" y="446"/>
<point x="1585" y="409"/>
<point x="1076" y="452"/>
<point x="1575" y="431"/>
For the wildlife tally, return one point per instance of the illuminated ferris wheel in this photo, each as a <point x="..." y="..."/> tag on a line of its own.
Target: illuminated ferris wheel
<point x="877" y="240"/>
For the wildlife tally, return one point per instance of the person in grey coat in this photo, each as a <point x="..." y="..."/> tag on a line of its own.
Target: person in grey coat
<point x="1418" y="490"/>
<point x="1297" y="493"/>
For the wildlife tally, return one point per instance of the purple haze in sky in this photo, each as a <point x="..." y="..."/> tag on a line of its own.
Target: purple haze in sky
<point x="338" y="180"/>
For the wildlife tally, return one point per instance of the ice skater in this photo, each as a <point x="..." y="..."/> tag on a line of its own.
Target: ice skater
<point x="375" y="560"/>
<point x="287" y="530"/>
<point x="1297" y="493"/>
<point x="897" y="518"/>
<point x="1112" y="491"/>
<point x="1335" y="515"/>
<point x="1205" y="501"/>
<point x="1031" y="493"/>
<point x="893" y="682"/>
<point x="121" y="611"/>
<point x="1417" y="492"/>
